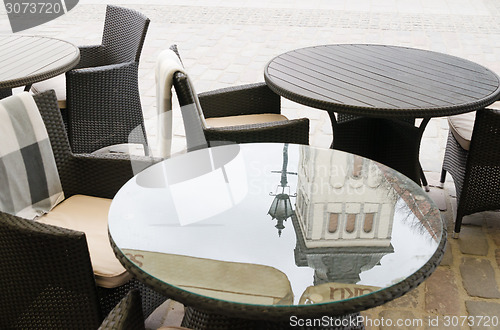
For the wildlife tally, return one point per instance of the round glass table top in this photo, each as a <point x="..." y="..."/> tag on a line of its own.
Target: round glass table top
<point x="275" y="225"/>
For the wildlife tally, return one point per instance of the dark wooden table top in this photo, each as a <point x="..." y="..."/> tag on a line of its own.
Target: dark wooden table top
<point x="28" y="59"/>
<point x="382" y="81"/>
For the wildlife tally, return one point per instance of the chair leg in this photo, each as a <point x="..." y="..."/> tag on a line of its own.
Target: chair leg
<point x="458" y="224"/>
<point x="424" y="179"/>
<point x="443" y="178"/>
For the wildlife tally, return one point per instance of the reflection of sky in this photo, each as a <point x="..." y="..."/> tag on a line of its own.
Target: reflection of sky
<point x="412" y="249"/>
<point x="238" y="228"/>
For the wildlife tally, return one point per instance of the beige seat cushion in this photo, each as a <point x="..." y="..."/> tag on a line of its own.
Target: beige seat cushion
<point x="495" y="105"/>
<point x="461" y="127"/>
<point x="224" y="280"/>
<point x="90" y="215"/>
<point x="58" y="84"/>
<point x="244" y="120"/>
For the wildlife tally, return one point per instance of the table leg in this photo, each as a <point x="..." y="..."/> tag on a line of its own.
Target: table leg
<point x="425" y="184"/>
<point x="196" y="319"/>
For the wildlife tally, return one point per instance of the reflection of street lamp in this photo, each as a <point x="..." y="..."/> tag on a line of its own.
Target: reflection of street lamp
<point x="281" y="208"/>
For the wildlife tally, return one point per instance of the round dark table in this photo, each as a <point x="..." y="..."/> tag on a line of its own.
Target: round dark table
<point x="268" y="235"/>
<point x="373" y="94"/>
<point x="29" y="59"/>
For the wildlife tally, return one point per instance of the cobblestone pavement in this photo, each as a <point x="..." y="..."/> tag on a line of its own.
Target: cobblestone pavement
<point x="225" y="43"/>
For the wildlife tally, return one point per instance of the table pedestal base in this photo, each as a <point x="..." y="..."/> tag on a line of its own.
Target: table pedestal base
<point x="196" y="319"/>
<point x="394" y="143"/>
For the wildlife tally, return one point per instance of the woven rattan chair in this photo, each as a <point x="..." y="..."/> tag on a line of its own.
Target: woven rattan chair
<point x="100" y="97"/>
<point x="476" y="172"/>
<point x="126" y="315"/>
<point x="228" y="114"/>
<point x="46" y="272"/>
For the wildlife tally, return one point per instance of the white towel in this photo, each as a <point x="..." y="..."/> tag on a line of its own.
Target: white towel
<point x="167" y="64"/>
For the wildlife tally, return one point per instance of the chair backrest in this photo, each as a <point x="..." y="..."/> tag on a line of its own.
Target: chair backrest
<point x="124" y="33"/>
<point x="183" y="88"/>
<point x="47" y="278"/>
<point x="481" y="189"/>
<point x="51" y="115"/>
<point x="192" y="114"/>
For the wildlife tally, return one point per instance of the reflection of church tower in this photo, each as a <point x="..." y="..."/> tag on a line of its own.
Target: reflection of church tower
<point x="345" y="210"/>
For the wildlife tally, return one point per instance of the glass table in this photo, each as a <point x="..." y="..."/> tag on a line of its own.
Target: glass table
<point x="265" y="234"/>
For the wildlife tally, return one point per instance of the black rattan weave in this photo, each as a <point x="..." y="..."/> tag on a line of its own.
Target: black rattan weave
<point x="46" y="274"/>
<point x="127" y="315"/>
<point x="102" y="92"/>
<point x="476" y="173"/>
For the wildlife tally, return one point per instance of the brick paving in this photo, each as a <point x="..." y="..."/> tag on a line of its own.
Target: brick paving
<point x="228" y="42"/>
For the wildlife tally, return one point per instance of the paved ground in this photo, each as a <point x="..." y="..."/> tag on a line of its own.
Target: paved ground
<point x="225" y="43"/>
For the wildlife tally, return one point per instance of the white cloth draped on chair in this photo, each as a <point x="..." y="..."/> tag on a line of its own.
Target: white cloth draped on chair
<point x="167" y="64"/>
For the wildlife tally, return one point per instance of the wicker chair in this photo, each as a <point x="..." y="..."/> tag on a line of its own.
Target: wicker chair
<point x="46" y="272"/>
<point x="476" y="172"/>
<point x="100" y="97"/>
<point x="229" y="114"/>
<point x="126" y="315"/>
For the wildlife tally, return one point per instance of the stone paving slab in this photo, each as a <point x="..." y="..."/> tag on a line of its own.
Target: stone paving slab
<point x="478" y="278"/>
<point x="483" y="309"/>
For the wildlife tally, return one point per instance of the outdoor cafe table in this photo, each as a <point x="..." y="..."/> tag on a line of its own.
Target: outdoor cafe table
<point x="29" y="59"/>
<point x="377" y="92"/>
<point x="258" y="235"/>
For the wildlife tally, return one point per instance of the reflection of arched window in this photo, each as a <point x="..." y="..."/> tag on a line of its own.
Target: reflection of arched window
<point x="357" y="166"/>
<point x="368" y="224"/>
<point x="333" y="223"/>
<point x="350" y="223"/>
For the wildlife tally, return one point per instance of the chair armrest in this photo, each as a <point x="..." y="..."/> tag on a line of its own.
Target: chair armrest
<point x="90" y="56"/>
<point x="101" y="68"/>
<point x="126" y="315"/>
<point x="288" y="131"/>
<point x="240" y="100"/>
<point x="102" y="82"/>
<point x="102" y="175"/>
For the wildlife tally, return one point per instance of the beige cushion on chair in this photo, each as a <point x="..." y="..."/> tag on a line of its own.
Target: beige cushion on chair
<point x="461" y="127"/>
<point x="58" y="84"/>
<point x="223" y="280"/>
<point x="90" y="215"/>
<point x="244" y="120"/>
